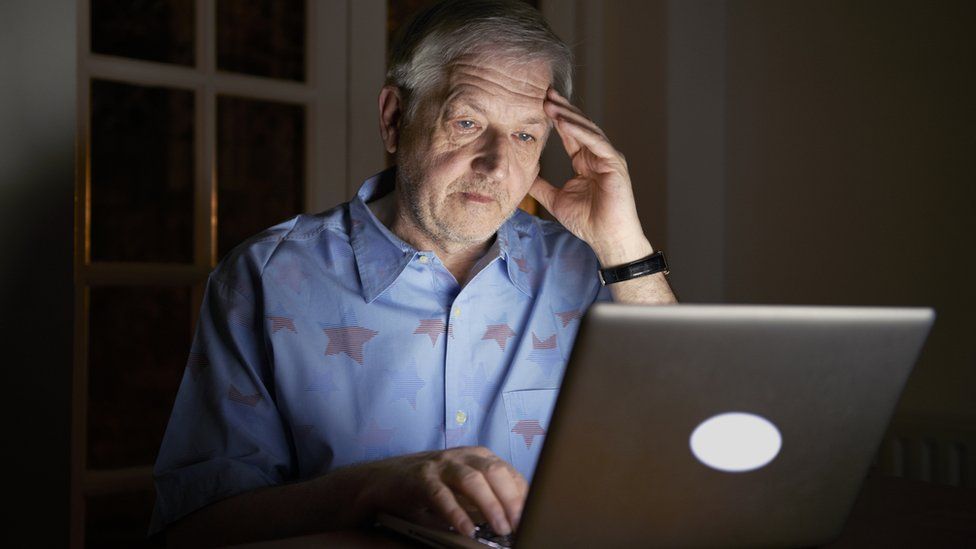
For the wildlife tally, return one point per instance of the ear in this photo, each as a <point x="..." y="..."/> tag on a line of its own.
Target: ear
<point x="391" y="109"/>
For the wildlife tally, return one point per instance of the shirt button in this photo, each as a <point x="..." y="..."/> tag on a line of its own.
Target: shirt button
<point x="460" y="417"/>
<point x="457" y="312"/>
<point x="424" y="259"/>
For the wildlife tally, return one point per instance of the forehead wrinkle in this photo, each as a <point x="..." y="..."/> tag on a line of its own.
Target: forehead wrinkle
<point x="464" y="96"/>
<point x="515" y="86"/>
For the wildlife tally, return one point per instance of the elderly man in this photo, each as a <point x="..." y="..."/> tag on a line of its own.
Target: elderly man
<point x="401" y="352"/>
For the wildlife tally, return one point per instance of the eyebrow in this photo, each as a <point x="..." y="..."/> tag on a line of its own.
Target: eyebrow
<point x="475" y="105"/>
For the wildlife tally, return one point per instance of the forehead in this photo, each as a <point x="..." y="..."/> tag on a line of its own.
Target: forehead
<point x="498" y="83"/>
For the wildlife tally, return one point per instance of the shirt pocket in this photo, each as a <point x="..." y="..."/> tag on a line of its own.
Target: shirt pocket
<point x="528" y="412"/>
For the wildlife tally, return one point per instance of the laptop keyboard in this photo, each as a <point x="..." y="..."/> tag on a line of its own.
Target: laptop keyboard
<point x="485" y="535"/>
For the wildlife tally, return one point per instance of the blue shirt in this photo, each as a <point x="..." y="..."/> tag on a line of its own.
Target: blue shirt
<point x="326" y="340"/>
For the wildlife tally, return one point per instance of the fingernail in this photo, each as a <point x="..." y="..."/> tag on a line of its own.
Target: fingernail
<point x="502" y="526"/>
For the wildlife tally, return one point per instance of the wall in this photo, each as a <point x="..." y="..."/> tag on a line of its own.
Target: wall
<point x="37" y="124"/>
<point x="850" y="140"/>
<point x="815" y="152"/>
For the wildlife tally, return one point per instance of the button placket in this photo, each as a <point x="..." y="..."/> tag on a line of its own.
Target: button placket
<point x="455" y="417"/>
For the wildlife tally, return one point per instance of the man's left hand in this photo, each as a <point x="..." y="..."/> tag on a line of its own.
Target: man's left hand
<point x="597" y="205"/>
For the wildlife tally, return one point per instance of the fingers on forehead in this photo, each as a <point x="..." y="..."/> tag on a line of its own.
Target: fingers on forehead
<point x="592" y="140"/>
<point x="581" y="120"/>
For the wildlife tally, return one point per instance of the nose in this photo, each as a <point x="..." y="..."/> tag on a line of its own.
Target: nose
<point x="492" y="156"/>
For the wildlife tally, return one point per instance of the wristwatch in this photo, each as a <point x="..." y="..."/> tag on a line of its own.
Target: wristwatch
<point x="654" y="263"/>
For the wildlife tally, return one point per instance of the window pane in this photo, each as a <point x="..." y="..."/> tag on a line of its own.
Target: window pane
<point x="155" y="30"/>
<point x="260" y="166"/>
<point x="262" y="37"/>
<point x="142" y="173"/>
<point x="140" y="338"/>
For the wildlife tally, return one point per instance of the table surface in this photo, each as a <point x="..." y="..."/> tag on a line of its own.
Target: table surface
<point x="889" y="512"/>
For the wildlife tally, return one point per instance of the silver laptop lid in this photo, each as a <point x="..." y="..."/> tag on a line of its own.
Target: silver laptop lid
<point x="618" y="468"/>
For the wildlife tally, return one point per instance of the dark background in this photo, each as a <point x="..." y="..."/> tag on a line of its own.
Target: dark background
<point x="782" y="152"/>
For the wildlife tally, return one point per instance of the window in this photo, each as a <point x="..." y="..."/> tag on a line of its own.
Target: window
<point x="204" y="122"/>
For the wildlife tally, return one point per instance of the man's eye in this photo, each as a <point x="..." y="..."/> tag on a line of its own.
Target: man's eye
<point x="526" y="137"/>
<point x="465" y="124"/>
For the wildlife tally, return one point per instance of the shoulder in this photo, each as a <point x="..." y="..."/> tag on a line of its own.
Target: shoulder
<point x="548" y="237"/>
<point x="246" y="263"/>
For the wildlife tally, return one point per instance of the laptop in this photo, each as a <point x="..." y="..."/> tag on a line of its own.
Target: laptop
<point x="713" y="426"/>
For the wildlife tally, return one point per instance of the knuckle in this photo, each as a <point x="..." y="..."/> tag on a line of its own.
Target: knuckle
<point x="495" y="466"/>
<point x="437" y="491"/>
<point x="457" y="516"/>
<point x="429" y="469"/>
<point x="469" y="476"/>
<point x="482" y="451"/>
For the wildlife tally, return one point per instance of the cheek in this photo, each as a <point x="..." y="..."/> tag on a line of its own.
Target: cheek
<point x="449" y="163"/>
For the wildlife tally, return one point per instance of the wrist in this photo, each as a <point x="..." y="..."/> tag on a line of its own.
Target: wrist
<point x="355" y="484"/>
<point x="620" y="252"/>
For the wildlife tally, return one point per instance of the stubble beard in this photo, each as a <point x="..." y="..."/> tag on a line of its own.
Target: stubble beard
<point x="445" y="232"/>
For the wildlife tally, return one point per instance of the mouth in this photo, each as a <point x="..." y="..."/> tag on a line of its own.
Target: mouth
<point x="476" y="198"/>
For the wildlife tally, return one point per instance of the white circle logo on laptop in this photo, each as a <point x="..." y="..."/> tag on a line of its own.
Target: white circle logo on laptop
<point x="736" y="442"/>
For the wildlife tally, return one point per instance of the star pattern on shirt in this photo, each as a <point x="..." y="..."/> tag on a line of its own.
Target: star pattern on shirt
<point x="500" y="333"/>
<point x="545" y="353"/>
<point x="375" y="440"/>
<point x="348" y="340"/>
<point x="406" y="384"/>
<point x="197" y="363"/>
<point x="248" y="400"/>
<point x="282" y="323"/>
<point x="432" y="328"/>
<point x="547" y="343"/>
<point x="568" y="316"/>
<point x="346" y="403"/>
<point x="475" y="386"/>
<point x="528" y="429"/>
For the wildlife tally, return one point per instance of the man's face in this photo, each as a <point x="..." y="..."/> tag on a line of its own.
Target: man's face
<point x="472" y="150"/>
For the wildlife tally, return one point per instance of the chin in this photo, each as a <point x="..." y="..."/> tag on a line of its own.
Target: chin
<point x="464" y="231"/>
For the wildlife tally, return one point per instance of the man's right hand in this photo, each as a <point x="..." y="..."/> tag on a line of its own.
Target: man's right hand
<point x="444" y="487"/>
<point x="451" y="485"/>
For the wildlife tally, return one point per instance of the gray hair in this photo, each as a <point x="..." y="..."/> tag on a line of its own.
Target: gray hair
<point x="509" y="30"/>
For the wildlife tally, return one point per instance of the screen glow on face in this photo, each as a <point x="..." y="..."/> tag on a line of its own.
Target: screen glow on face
<point x="736" y="442"/>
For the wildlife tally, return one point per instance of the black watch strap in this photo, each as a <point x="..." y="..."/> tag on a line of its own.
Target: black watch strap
<point x="654" y="263"/>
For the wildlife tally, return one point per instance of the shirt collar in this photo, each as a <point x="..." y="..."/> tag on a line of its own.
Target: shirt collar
<point x="513" y="238"/>
<point x="381" y="255"/>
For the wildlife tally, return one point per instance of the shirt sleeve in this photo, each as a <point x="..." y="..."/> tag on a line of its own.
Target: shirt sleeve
<point x="225" y="435"/>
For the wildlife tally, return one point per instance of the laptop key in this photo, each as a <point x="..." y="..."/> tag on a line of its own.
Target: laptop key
<point x="485" y="535"/>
